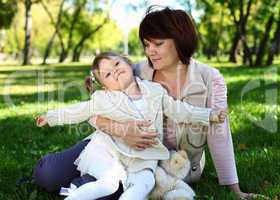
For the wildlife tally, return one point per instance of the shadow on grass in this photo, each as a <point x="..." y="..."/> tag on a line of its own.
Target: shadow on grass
<point x="48" y="76"/>
<point x="23" y="144"/>
<point x="75" y="92"/>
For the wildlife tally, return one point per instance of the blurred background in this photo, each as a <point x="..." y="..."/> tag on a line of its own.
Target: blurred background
<point x="49" y="31"/>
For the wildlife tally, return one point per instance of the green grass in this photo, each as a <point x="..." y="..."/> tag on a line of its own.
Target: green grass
<point x="254" y="122"/>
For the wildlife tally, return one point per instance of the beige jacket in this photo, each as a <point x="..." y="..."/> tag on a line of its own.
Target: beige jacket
<point x="116" y="105"/>
<point x="190" y="137"/>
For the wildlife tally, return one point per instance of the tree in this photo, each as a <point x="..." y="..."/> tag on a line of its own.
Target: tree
<point x="86" y="32"/>
<point x="240" y="12"/>
<point x="134" y="44"/>
<point x="251" y="23"/>
<point x="263" y="43"/>
<point x="8" y="10"/>
<point x="57" y="27"/>
<point x="28" y="29"/>
<point x="275" y="43"/>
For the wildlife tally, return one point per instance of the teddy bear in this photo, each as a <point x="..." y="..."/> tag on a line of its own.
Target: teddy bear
<point x="169" y="178"/>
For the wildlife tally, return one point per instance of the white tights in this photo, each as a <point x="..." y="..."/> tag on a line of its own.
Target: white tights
<point x="140" y="184"/>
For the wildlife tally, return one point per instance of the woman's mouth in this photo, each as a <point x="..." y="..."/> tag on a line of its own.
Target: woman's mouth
<point x="154" y="60"/>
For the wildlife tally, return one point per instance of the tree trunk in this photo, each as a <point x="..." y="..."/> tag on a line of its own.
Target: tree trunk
<point x="79" y="46"/>
<point x="48" y="48"/>
<point x="77" y="53"/>
<point x="275" y="44"/>
<point x="247" y="56"/>
<point x="56" y="31"/>
<point x="240" y="26"/>
<point x="263" y="43"/>
<point x="75" y="19"/>
<point x="27" y="28"/>
<point x="63" y="55"/>
<point x="234" y="48"/>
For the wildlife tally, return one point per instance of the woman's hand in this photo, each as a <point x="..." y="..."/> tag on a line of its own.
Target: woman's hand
<point x="136" y="137"/>
<point x="128" y="131"/>
<point x="245" y="196"/>
<point x="242" y="195"/>
<point x="218" y="115"/>
<point x="41" y="121"/>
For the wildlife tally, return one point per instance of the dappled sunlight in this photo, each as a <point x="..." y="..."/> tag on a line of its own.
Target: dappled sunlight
<point x="253" y="119"/>
<point x="28" y="89"/>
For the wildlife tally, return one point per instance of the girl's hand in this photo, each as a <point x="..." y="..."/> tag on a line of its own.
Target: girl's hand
<point x="218" y="116"/>
<point x="41" y="121"/>
<point x="137" y="138"/>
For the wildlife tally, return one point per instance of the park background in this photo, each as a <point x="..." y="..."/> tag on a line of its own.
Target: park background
<point x="46" y="47"/>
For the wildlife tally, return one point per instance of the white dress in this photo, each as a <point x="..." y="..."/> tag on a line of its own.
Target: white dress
<point x="100" y="158"/>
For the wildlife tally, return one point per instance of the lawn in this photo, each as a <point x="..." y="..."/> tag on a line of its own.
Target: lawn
<point x="253" y="96"/>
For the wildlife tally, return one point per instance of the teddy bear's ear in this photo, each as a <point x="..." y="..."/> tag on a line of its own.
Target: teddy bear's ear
<point x="183" y="154"/>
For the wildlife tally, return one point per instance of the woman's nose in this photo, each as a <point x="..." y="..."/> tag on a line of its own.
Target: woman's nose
<point x="151" y="50"/>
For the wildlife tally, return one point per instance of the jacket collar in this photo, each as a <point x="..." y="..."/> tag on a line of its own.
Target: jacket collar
<point x="194" y="82"/>
<point x="151" y="95"/>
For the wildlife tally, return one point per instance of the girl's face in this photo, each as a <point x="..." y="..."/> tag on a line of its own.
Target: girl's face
<point x="115" y="73"/>
<point x="162" y="53"/>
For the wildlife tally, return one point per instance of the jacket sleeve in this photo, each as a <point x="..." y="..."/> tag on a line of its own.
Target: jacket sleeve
<point x="72" y="114"/>
<point x="219" y="138"/>
<point x="182" y="112"/>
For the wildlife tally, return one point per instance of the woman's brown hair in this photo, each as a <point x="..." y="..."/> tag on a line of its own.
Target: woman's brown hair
<point x="170" y="24"/>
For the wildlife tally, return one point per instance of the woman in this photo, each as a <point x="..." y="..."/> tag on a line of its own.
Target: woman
<point x="170" y="39"/>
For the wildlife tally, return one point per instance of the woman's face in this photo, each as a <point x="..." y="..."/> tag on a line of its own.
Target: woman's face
<point x="162" y="53"/>
<point x="115" y="73"/>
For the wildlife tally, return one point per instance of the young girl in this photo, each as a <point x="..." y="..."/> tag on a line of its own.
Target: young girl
<point x="124" y="98"/>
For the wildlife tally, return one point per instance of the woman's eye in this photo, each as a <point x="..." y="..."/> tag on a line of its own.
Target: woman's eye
<point x="107" y="75"/>
<point x="145" y="44"/>
<point x="159" y="43"/>
<point x="117" y="63"/>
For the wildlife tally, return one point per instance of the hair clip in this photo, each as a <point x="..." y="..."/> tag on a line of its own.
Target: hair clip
<point x="93" y="79"/>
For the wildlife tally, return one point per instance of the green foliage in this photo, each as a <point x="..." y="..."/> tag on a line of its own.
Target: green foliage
<point x="8" y="9"/>
<point x="91" y="16"/>
<point x="214" y="31"/>
<point x="109" y="37"/>
<point x="22" y="143"/>
<point x="134" y="44"/>
<point x="215" y="25"/>
<point x="218" y="25"/>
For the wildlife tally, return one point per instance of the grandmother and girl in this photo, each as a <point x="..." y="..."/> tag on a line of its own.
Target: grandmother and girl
<point x="142" y="111"/>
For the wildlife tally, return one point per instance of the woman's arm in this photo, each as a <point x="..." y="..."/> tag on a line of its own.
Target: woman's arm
<point x="128" y="131"/>
<point x="220" y="141"/>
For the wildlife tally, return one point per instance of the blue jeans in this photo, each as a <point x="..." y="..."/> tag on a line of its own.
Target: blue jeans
<point x="57" y="170"/>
